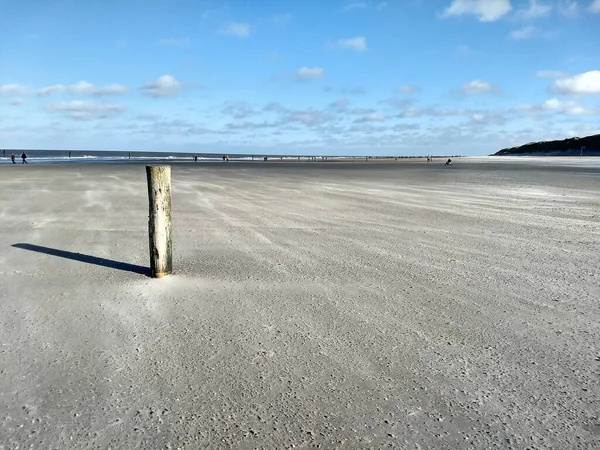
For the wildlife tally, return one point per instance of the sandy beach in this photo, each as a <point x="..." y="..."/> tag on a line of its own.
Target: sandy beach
<point x="341" y="305"/>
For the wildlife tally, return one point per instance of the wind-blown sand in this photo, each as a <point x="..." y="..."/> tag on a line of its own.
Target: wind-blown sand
<point x="347" y="305"/>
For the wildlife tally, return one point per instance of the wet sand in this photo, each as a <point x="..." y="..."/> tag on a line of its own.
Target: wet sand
<point x="348" y="305"/>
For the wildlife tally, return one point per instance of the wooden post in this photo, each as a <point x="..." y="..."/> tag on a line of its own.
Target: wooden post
<point x="159" y="220"/>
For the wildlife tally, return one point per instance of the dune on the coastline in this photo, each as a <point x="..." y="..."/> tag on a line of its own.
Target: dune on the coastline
<point x="335" y="305"/>
<point x="575" y="146"/>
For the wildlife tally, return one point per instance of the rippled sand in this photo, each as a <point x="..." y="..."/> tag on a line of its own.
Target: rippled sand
<point x="351" y="305"/>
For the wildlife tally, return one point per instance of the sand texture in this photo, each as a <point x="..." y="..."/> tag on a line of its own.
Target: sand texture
<point x="340" y="305"/>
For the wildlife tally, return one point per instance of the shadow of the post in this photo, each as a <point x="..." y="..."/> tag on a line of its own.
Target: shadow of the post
<point x="86" y="258"/>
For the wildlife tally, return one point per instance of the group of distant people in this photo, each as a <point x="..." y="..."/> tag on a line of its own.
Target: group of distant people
<point x="266" y="158"/>
<point x="225" y="158"/>
<point x="23" y="157"/>
<point x="430" y="159"/>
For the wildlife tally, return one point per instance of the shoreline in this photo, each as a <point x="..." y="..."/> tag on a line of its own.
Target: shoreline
<point x="493" y="162"/>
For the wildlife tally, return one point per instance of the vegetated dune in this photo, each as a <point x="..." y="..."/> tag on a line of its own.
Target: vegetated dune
<point x="566" y="147"/>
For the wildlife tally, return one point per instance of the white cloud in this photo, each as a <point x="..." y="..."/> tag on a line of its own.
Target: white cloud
<point x="529" y="31"/>
<point x="85" y="88"/>
<point x="582" y="84"/>
<point x="477" y="87"/>
<point x="362" y="111"/>
<point x="172" y="127"/>
<point x="594" y="7"/>
<point x="411" y="112"/>
<point x="236" y="29"/>
<point x="364" y="129"/>
<point x="358" y="44"/>
<point x="239" y="125"/>
<point x="239" y="110"/>
<point x="373" y="117"/>
<point x="244" y="125"/>
<point x="408" y="89"/>
<point x="448" y="112"/>
<point x="551" y="74"/>
<point x="584" y="130"/>
<point x="274" y="107"/>
<point x="17" y="101"/>
<point x="176" y="42"/>
<point x="162" y="87"/>
<point x="146" y="116"/>
<point x="534" y="10"/>
<point x="340" y="104"/>
<point x="307" y="73"/>
<point x="354" y="5"/>
<point x="399" y="103"/>
<point x="484" y="10"/>
<point x="51" y="90"/>
<point x="309" y="117"/>
<point x="12" y="89"/>
<point x="579" y="111"/>
<point x="523" y="32"/>
<point x="524" y="107"/>
<point x="406" y="127"/>
<point x="111" y="89"/>
<point x="80" y="110"/>
<point x="555" y="105"/>
<point x="354" y="90"/>
<point x="570" y="9"/>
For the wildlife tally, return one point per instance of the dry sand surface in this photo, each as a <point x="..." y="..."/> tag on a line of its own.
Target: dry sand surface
<point x="342" y="305"/>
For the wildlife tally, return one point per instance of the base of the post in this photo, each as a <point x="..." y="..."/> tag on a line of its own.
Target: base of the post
<point x="162" y="274"/>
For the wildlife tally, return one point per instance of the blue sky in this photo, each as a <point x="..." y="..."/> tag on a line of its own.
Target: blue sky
<point x="383" y="77"/>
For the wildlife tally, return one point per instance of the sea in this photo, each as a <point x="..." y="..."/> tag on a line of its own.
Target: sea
<point x="35" y="156"/>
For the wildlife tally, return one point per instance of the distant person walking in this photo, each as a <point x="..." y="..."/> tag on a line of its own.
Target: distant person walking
<point x="12" y="157"/>
<point x="449" y="162"/>
<point x="24" y="158"/>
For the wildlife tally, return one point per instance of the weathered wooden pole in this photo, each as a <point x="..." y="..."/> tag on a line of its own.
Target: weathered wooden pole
<point x="159" y="220"/>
